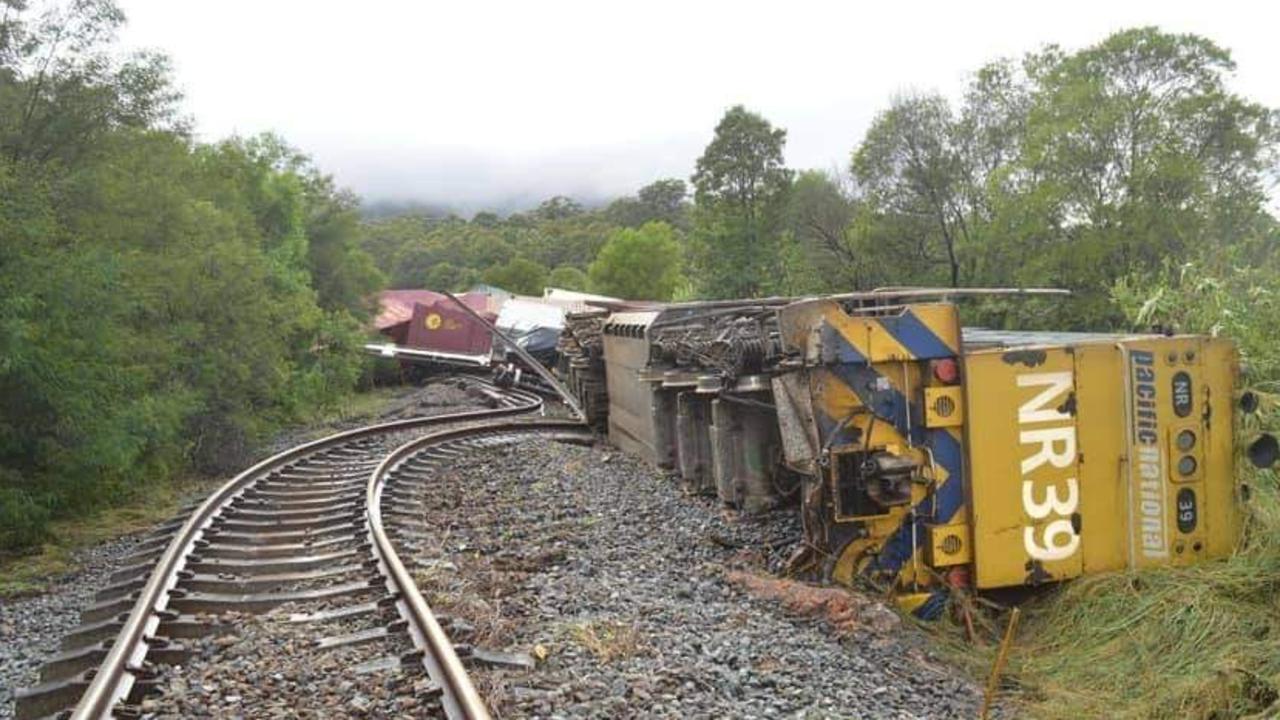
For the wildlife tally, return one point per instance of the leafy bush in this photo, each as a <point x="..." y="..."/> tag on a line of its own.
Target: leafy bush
<point x="640" y="264"/>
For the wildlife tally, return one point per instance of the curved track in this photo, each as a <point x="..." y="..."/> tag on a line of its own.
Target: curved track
<point x="408" y="471"/>
<point x="318" y="524"/>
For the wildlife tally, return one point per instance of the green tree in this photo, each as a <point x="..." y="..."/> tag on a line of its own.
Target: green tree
<point x="1071" y="170"/>
<point x="163" y="304"/>
<point x="638" y="264"/>
<point x="519" y="275"/>
<point x="447" y="276"/>
<point x="558" y="208"/>
<point x="486" y="219"/>
<point x="343" y="274"/>
<point x="821" y="244"/>
<point x="740" y="187"/>
<point x="1142" y="153"/>
<point x="63" y="85"/>
<point x="663" y="200"/>
<point x="910" y="170"/>
<point x="567" y="277"/>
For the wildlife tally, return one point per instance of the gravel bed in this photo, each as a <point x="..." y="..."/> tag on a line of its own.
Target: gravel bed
<point x="642" y="602"/>
<point x="31" y="628"/>
<point x="270" y="669"/>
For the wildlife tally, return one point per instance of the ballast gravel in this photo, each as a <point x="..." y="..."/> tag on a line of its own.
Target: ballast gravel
<point x="633" y="599"/>
<point x="637" y="601"/>
<point x="269" y="667"/>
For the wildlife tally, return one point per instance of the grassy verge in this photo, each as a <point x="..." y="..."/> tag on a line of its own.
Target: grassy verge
<point x="360" y="406"/>
<point x="1195" y="642"/>
<point x="33" y="572"/>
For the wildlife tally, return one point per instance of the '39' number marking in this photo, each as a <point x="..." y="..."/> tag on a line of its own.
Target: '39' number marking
<point x="1047" y="492"/>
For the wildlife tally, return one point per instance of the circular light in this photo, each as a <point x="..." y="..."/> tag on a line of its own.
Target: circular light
<point x="1187" y="465"/>
<point x="946" y="370"/>
<point x="1264" y="451"/>
<point x="1186" y="440"/>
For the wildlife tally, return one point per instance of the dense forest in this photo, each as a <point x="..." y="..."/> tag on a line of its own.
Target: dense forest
<point x="163" y="303"/>
<point x="166" y="303"/>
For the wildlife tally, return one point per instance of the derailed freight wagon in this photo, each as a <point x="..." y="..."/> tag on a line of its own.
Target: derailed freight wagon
<point x="925" y="456"/>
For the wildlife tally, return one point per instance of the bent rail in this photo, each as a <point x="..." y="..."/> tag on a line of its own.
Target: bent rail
<point x="459" y="696"/>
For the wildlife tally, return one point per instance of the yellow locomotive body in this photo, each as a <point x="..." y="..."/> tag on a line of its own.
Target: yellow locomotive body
<point x="925" y="455"/>
<point x="998" y="459"/>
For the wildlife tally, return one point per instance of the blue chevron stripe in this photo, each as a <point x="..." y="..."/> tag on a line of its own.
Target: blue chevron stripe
<point x="917" y="337"/>
<point x="827" y="426"/>
<point x="874" y="391"/>
<point x="837" y="347"/>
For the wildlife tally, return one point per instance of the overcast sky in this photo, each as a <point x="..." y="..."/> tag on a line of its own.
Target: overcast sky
<point x="480" y="104"/>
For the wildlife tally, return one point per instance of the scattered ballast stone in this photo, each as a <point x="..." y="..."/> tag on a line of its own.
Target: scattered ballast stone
<point x="640" y="601"/>
<point x="31" y="628"/>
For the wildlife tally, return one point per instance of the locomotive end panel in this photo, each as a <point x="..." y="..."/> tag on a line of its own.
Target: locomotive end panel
<point x="889" y="472"/>
<point x="1100" y="456"/>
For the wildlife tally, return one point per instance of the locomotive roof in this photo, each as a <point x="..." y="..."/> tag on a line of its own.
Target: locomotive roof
<point x="979" y="338"/>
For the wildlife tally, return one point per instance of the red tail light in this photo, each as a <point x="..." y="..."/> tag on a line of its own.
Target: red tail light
<point x="946" y="370"/>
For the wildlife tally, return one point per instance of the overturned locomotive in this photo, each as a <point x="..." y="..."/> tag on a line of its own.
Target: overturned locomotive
<point x="924" y="455"/>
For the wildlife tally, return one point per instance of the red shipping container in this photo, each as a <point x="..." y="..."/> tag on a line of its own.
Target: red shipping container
<point x="439" y="324"/>
<point x="395" y="310"/>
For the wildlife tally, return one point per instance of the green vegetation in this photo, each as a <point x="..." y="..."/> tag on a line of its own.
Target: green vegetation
<point x="1193" y="642"/>
<point x="552" y="245"/>
<point x="740" y="189"/>
<point x="163" y="303"/>
<point x="1063" y="169"/>
<point x="519" y="275"/>
<point x="33" y="570"/>
<point x="642" y="264"/>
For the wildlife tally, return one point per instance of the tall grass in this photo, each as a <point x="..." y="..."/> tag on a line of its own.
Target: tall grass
<point x="1192" y="642"/>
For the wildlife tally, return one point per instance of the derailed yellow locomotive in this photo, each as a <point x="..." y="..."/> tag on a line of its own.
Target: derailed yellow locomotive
<point x="925" y="455"/>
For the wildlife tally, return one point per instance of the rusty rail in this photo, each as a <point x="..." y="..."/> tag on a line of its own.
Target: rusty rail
<point x="114" y="678"/>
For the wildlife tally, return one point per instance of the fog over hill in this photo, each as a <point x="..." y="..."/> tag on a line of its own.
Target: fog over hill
<point x="497" y="105"/>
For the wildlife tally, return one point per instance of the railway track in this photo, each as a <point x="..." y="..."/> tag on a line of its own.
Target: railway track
<point x="318" y="526"/>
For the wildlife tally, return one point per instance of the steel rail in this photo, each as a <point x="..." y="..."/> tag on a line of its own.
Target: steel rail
<point x="565" y="396"/>
<point x="114" y="678"/>
<point x="459" y="697"/>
